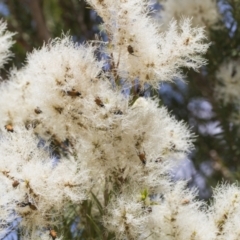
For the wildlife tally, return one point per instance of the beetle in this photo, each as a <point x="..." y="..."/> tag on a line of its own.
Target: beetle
<point x="9" y="127"/>
<point x="53" y="234"/>
<point x="130" y="49"/>
<point x="99" y="102"/>
<point x="142" y="157"/>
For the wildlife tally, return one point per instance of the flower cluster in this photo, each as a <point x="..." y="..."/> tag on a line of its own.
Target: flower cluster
<point x="68" y="133"/>
<point x="203" y="13"/>
<point x="138" y="49"/>
<point x="63" y="95"/>
<point x="34" y="186"/>
<point x="228" y="85"/>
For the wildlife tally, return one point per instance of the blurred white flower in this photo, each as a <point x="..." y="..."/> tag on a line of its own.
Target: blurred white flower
<point x="5" y="43"/>
<point x="204" y="13"/>
<point x="227" y="87"/>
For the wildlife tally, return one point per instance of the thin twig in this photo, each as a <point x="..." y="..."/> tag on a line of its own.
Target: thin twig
<point x="38" y="17"/>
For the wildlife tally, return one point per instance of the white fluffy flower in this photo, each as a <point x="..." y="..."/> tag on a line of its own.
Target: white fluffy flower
<point x="109" y="141"/>
<point x="127" y="153"/>
<point x="59" y="94"/>
<point x="62" y="94"/>
<point x="139" y="51"/>
<point x="227" y="87"/>
<point x="5" y="43"/>
<point x="225" y="211"/>
<point x="179" y="215"/>
<point x="173" y="214"/>
<point x="126" y="216"/>
<point x="204" y="13"/>
<point x="35" y="187"/>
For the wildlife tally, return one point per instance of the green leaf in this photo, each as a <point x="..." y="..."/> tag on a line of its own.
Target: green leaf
<point x="94" y="225"/>
<point x="100" y="208"/>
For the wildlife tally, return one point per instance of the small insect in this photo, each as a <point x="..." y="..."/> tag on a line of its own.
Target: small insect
<point x="130" y="49"/>
<point x="173" y="146"/>
<point x="158" y="160"/>
<point x="187" y="41"/>
<point x="32" y="206"/>
<point x="147" y="209"/>
<point x="99" y="102"/>
<point x="53" y="234"/>
<point x="15" y="183"/>
<point x="58" y="109"/>
<point x="185" y="201"/>
<point x="142" y="157"/>
<point x="22" y="204"/>
<point x="73" y="93"/>
<point x="118" y="112"/>
<point x="37" y="110"/>
<point x="9" y="127"/>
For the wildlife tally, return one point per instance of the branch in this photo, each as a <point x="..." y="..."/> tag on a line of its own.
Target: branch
<point x="38" y="17"/>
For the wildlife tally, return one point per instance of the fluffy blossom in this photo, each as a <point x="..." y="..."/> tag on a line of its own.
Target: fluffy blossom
<point x="35" y="187"/>
<point x="228" y="85"/>
<point x="53" y="89"/>
<point x="68" y="133"/>
<point x="126" y="217"/>
<point x="5" y="43"/>
<point x="63" y="99"/>
<point x="225" y="211"/>
<point x="173" y="214"/>
<point x="140" y="51"/>
<point x="62" y="95"/>
<point x="203" y="13"/>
